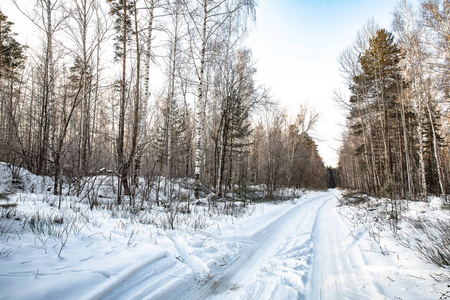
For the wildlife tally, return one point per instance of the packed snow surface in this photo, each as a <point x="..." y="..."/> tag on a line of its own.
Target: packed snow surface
<point x="306" y="248"/>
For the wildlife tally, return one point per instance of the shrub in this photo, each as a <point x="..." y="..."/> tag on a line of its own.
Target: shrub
<point x="430" y="239"/>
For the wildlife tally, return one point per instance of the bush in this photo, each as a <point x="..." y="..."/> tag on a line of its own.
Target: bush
<point x="354" y="199"/>
<point x="430" y="239"/>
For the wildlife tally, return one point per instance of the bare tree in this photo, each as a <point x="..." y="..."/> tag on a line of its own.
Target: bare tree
<point x="206" y="19"/>
<point x="436" y="16"/>
<point x="150" y="7"/>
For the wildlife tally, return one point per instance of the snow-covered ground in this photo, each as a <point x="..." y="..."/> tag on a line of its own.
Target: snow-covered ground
<point x="307" y="248"/>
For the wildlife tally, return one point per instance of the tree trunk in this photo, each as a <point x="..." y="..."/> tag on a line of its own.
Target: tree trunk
<point x="120" y="138"/>
<point x="51" y="82"/>
<point x="436" y="152"/>
<point x="143" y="126"/>
<point x="200" y="106"/>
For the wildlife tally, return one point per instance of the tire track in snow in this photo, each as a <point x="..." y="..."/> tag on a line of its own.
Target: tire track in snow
<point x="164" y="273"/>
<point x="240" y="276"/>
<point x="336" y="272"/>
<point x="306" y="253"/>
<point x="275" y="263"/>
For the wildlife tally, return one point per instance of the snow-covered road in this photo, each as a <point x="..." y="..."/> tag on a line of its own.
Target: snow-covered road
<point x="305" y="252"/>
<point x="306" y="248"/>
<point x="338" y="270"/>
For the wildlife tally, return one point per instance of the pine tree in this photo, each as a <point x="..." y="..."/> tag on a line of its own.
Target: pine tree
<point x="12" y="59"/>
<point x="12" y="55"/>
<point x="122" y="10"/>
<point x="376" y="110"/>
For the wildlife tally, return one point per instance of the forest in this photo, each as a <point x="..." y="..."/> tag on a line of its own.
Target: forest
<point x="85" y="100"/>
<point x="141" y="158"/>
<point x="165" y="90"/>
<point x="397" y="133"/>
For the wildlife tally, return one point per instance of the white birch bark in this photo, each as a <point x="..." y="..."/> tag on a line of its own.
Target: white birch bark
<point x="409" y="34"/>
<point x="171" y="97"/>
<point x="200" y="103"/>
<point x="435" y="152"/>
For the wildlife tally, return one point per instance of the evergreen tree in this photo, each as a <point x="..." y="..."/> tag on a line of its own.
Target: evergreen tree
<point x="12" y="54"/>
<point x="122" y="10"/>
<point x="375" y="115"/>
<point x="178" y="143"/>
<point x="12" y="59"/>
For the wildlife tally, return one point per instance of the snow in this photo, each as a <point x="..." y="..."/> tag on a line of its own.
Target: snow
<point x="28" y="181"/>
<point x="305" y="248"/>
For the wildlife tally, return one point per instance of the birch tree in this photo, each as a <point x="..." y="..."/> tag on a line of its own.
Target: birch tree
<point x="436" y="17"/>
<point x="205" y="20"/>
<point x="150" y="5"/>
<point x="425" y="85"/>
<point x="410" y="35"/>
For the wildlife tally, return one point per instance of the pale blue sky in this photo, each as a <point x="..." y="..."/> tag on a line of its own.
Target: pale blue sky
<point x="296" y="44"/>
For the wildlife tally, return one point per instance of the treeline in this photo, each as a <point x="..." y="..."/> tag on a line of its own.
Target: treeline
<point x="397" y="131"/>
<point x="84" y="99"/>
